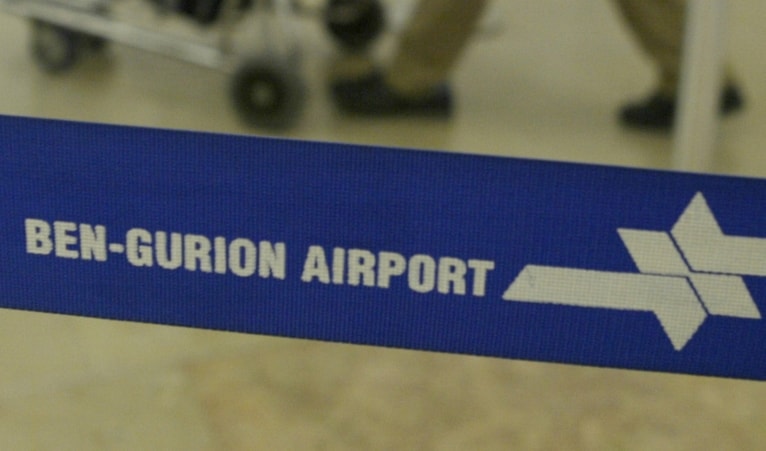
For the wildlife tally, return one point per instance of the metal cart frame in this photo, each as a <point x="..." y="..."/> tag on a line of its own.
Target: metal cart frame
<point x="266" y="90"/>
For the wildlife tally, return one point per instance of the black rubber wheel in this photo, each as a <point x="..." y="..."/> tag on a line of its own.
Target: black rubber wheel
<point x="266" y="95"/>
<point x="54" y="48"/>
<point x="355" y="24"/>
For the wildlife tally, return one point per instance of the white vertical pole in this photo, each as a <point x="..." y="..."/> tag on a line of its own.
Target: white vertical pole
<point x="697" y="117"/>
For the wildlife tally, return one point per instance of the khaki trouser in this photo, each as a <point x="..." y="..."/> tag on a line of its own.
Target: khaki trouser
<point x="428" y="48"/>
<point x="440" y="29"/>
<point x="433" y="41"/>
<point x="659" y="27"/>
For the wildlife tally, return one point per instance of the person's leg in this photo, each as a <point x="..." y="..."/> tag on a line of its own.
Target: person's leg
<point x="415" y="81"/>
<point x="432" y="43"/>
<point x="659" y="28"/>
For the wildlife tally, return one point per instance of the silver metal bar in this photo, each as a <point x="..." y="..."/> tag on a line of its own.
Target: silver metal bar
<point x="90" y="22"/>
<point x="697" y="119"/>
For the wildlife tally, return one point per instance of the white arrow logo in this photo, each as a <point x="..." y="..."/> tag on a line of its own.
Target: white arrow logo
<point x="685" y="276"/>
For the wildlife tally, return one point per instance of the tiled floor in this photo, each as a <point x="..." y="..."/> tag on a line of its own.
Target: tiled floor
<point x="546" y="87"/>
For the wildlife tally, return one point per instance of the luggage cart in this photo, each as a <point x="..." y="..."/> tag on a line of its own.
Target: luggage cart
<point x="266" y="90"/>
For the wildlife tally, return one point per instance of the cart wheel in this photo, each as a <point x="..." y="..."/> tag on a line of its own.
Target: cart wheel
<point x="266" y="95"/>
<point x="354" y="23"/>
<point x="55" y="49"/>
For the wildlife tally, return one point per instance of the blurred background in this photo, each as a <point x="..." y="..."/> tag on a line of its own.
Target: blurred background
<point x="543" y="79"/>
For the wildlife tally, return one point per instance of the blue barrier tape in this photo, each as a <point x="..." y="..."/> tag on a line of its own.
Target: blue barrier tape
<point x="499" y="257"/>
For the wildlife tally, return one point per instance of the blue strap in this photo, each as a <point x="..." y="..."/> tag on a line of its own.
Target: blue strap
<point x="501" y="257"/>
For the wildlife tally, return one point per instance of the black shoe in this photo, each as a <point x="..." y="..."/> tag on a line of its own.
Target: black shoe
<point x="657" y="112"/>
<point x="371" y="96"/>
